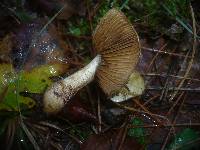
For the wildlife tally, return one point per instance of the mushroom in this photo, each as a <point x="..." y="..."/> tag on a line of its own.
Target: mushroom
<point x="118" y="48"/>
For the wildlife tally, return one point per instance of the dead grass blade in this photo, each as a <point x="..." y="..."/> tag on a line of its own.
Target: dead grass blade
<point x="193" y="55"/>
<point x="30" y="136"/>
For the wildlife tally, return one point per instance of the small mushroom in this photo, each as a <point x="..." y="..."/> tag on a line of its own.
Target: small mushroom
<point x="118" y="47"/>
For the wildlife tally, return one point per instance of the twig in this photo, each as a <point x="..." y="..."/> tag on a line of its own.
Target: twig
<point x="175" y="89"/>
<point x="172" y="129"/>
<point x="165" y="90"/>
<point x="175" y="103"/>
<point x="59" y="129"/>
<point x="14" y="15"/>
<point x="30" y="136"/>
<point x="192" y="142"/>
<point x="89" y="16"/>
<point x="193" y="54"/>
<point x="124" y="4"/>
<point x="45" y="26"/>
<point x="151" y="99"/>
<point x="154" y="58"/>
<point x="131" y="109"/>
<point x="123" y="137"/>
<point x="164" y="52"/>
<point x="96" y="8"/>
<point x="146" y="110"/>
<point x="81" y="37"/>
<point x="91" y="99"/>
<point x="99" y="113"/>
<point x="167" y="126"/>
<point x="165" y="75"/>
<point x="92" y="50"/>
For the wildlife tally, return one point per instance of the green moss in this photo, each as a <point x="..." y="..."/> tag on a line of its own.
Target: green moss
<point x="138" y="133"/>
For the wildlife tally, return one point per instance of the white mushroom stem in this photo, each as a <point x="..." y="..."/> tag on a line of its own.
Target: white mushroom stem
<point x="57" y="95"/>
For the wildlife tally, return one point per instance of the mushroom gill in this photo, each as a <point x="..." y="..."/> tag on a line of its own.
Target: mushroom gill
<point x="116" y="40"/>
<point x="117" y="44"/>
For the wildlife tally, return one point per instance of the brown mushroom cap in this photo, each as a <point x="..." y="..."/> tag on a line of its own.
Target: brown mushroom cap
<point x="116" y="40"/>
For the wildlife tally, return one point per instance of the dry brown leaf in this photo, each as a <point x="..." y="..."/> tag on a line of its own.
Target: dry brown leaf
<point x="110" y="140"/>
<point x="31" y="47"/>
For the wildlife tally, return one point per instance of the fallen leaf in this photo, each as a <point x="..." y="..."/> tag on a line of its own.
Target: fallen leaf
<point x="77" y="111"/>
<point x="34" y="45"/>
<point x="114" y="116"/>
<point x="110" y="140"/>
<point x="34" y="81"/>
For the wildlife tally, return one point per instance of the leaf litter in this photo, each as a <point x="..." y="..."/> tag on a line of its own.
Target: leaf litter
<point x="165" y="116"/>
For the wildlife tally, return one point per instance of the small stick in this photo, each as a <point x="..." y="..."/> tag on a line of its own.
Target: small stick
<point x="164" y="52"/>
<point x="175" y="103"/>
<point x="167" y="126"/>
<point x="145" y="109"/>
<point x="154" y="58"/>
<point x="165" y="75"/>
<point x="99" y="112"/>
<point x="172" y="129"/>
<point x="193" y="54"/>
<point x="175" y="89"/>
<point x="151" y="99"/>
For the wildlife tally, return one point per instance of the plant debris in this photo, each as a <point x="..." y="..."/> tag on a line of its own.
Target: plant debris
<point x="146" y="90"/>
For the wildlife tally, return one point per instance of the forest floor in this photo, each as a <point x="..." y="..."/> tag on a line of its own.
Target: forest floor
<point x="44" y="41"/>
